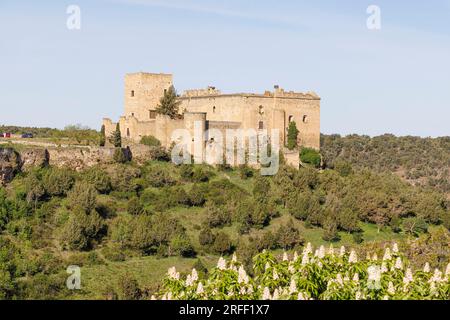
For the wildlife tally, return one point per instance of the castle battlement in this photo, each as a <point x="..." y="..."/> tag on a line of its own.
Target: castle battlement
<point x="277" y="93"/>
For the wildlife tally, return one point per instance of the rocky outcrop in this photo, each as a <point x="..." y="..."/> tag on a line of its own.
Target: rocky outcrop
<point x="9" y="164"/>
<point x="75" y="158"/>
<point x="32" y="158"/>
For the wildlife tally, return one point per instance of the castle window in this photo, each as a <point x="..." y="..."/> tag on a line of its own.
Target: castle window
<point x="152" y="114"/>
<point x="261" y="110"/>
<point x="132" y="93"/>
<point x="128" y="132"/>
<point x="214" y="109"/>
<point x="291" y="118"/>
<point x="305" y="118"/>
<point x="261" y="125"/>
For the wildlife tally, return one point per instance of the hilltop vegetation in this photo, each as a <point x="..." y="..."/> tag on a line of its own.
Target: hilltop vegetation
<point x="131" y="222"/>
<point x="420" y="161"/>
<point x="76" y="134"/>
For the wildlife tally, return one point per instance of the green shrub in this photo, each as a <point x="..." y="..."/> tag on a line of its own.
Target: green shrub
<point x="159" y="178"/>
<point x="134" y="206"/>
<point x="58" y="182"/>
<point x="159" y="154"/>
<point x="343" y="167"/>
<point x="128" y="288"/>
<point x="415" y="226"/>
<point x="288" y="237"/>
<point x="222" y="243"/>
<point x="358" y="237"/>
<point x="197" y="196"/>
<point x="310" y="156"/>
<point x="120" y="156"/>
<point x="217" y="216"/>
<point x="201" y="174"/>
<point x="99" y="178"/>
<point x="181" y="245"/>
<point x="245" y="172"/>
<point x="83" y="196"/>
<point x="81" y="230"/>
<point x="330" y="232"/>
<point x="113" y="254"/>
<point x="123" y="177"/>
<point x="206" y="237"/>
<point x="150" y="141"/>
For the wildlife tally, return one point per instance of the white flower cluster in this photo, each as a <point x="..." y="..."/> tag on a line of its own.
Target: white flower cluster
<point x="315" y="274"/>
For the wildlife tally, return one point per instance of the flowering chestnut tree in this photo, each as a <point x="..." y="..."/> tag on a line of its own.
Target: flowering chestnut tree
<point x="326" y="274"/>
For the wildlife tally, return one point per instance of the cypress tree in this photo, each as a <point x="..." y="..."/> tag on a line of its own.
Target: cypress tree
<point x="292" y="135"/>
<point x="116" y="138"/>
<point x="102" y="136"/>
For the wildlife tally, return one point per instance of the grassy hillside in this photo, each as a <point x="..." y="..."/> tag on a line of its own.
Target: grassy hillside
<point x="126" y="224"/>
<point x="420" y="161"/>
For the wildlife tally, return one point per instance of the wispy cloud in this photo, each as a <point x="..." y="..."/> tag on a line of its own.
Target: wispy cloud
<point x="209" y="9"/>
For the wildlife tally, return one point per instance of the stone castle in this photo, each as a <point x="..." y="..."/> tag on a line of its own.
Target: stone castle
<point x="216" y="110"/>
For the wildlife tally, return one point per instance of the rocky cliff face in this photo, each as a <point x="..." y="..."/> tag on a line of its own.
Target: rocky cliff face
<point x="75" y="158"/>
<point x="9" y="164"/>
<point x="32" y="158"/>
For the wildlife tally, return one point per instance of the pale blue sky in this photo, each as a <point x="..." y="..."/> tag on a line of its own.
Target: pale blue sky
<point x="396" y="80"/>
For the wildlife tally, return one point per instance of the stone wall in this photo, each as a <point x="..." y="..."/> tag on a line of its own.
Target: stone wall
<point x="75" y="158"/>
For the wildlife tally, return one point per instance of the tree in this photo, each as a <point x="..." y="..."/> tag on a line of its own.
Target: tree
<point x="81" y="229"/>
<point x="292" y="135"/>
<point x="99" y="179"/>
<point x="197" y="196"/>
<point x="129" y="288"/>
<point x="102" y="136"/>
<point x="222" y="243"/>
<point x="348" y="220"/>
<point x="261" y="189"/>
<point x="83" y="196"/>
<point x="181" y="245"/>
<point x="330" y="230"/>
<point x="116" y="137"/>
<point x="415" y="226"/>
<point x="288" y="236"/>
<point x="168" y="105"/>
<point x="58" y="182"/>
<point x="206" y="237"/>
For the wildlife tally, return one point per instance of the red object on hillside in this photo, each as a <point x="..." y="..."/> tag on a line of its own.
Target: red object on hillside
<point x="7" y="135"/>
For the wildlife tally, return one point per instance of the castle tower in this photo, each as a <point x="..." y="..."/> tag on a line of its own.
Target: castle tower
<point x="143" y="92"/>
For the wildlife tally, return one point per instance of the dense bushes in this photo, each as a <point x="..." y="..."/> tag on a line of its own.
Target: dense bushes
<point x="128" y="210"/>
<point x="150" y="141"/>
<point x="310" y="156"/>
<point x="82" y="229"/>
<point x="422" y="161"/>
<point x="58" y="182"/>
<point x="339" y="202"/>
<point x="151" y="234"/>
